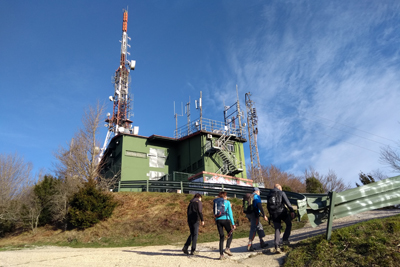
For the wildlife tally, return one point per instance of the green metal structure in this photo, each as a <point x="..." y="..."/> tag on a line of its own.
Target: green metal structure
<point x="134" y="157"/>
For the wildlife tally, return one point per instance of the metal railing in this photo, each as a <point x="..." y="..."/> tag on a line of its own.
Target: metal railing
<point x="320" y="208"/>
<point x="210" y="189"/>
<point x="208" y="125"/>
<point x="376" y="195"/>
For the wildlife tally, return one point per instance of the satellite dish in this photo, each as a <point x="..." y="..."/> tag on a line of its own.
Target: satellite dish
<point x="121" y="129"/>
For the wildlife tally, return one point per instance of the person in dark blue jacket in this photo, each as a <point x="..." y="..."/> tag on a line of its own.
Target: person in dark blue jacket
<point x="255" y="224"/>
<point x="222" y="222"/>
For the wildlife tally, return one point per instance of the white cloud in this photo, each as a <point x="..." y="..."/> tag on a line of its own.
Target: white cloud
<point x="310" y="67"/>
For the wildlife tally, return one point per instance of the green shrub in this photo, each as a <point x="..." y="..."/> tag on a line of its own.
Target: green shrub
<point x="314" y="186"/>
<point x="44" y="191"/>
<point x="6" y="226"/>
<point x="89" y="206"/>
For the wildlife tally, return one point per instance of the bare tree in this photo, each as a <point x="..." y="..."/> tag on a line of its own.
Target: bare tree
<point x="79" y="158"/>
<point x="391" y="157"/>
<point x="64" y="190"/>
<point x="31" y="209"/>
<point x="272" y="175"/>
<point x="378" y="175"/>
<point x="330" y="182"/>
<point x="78" y="163"/>
<point x="15" y="179"/>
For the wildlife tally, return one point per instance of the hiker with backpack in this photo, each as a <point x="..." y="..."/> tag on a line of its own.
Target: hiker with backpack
<point x="254" y="210"/>
<point x="194" y="217"/>
<point x="224" y="218"/>
<point x="277" y="200"/>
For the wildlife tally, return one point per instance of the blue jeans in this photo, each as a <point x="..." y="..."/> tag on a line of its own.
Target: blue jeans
<point x="255" y="226"/>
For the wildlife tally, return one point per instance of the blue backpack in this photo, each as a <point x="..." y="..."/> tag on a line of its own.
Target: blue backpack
<point x="219" y="207"/>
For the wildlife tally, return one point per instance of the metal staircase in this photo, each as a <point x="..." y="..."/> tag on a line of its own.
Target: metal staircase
<point x="231" y="165"/>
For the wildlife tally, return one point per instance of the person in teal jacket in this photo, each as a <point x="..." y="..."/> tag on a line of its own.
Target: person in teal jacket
<point x="222" y="222"/>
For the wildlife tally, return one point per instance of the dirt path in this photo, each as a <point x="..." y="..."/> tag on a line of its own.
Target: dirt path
<point x="170" y="255"/>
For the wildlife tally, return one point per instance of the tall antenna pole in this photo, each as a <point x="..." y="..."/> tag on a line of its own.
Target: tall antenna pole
<point x="201" y="111"/>
<point x="188" y="115"/>
<point x="252" y="127"/>
<point x="239" y="115"/>
<point x="176" y="119"/>
<point x="119" y="122"/>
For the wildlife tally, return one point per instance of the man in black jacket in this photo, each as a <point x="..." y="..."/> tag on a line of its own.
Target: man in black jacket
<point x="194" y="216"/>
<point x="278" y="213"/>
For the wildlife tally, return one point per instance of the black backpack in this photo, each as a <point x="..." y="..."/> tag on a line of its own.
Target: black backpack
<point x="219" y="207"/>
<point x="274" y="204"/>
<point x="248" y="206"/>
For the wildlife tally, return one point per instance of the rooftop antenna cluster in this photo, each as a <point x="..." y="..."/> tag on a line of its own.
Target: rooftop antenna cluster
<point x="118" y="122"/>
<point x="233" y="116"/>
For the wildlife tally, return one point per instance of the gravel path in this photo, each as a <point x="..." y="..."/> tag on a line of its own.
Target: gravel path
<point x="171" y="255"/>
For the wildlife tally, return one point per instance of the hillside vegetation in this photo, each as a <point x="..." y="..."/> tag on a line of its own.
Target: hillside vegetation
<point x="140" y="219"/>
<point x="372" y="243"/>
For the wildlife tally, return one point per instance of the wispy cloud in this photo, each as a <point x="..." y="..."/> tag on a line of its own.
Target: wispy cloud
<point x="309" y="66"/>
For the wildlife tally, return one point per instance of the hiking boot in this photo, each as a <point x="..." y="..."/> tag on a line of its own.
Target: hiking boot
<point x="250" y="248"/>
<point x="185" y="250"/>
<point x="222" y="257"/>
<point x="285" y="243"/>
<point x="194" y="252"/>
<point x="228" y="252"/>
<point x="263" y="244"/>
<point x="276" y="250"/>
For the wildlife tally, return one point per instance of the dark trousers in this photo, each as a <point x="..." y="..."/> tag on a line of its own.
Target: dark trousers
<point x="194" y="233"/>
<point x="221" y="224"/>
<point x="278" y="225"/>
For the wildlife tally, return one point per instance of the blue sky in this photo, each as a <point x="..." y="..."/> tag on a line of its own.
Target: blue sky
<point x="324" y="75"/>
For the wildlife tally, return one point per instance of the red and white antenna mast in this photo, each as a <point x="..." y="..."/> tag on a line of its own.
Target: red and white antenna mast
<point x="118" y="122"/>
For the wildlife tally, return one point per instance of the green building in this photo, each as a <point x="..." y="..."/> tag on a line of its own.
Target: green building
<point x="203" y="150"/>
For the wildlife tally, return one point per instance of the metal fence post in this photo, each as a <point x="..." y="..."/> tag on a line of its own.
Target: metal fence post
<point x="119" y="186"/>
<point x="181" y="187"/>
<point x="147" y="185"/>
<point x="222" y="187"/>
<point x="332" y="196"/>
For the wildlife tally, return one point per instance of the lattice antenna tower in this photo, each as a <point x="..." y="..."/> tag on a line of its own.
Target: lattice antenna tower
<point x="119" y="121"/>
<point x="252" y="128"/>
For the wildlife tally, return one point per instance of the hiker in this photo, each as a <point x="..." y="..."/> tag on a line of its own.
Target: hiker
<point x="277" y="200"/>
<point x="255" y="224"/>
<point x="224" y="219"/>
<point x="194" y="216"/>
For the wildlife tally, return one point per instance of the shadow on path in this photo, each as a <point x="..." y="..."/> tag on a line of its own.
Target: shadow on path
<point x="148" y="253"/>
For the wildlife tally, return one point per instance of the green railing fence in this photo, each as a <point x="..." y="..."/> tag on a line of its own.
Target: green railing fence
<point x="320" y="208"/>
<point x="372" y="196"/>
<point x="210" y="189"/>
